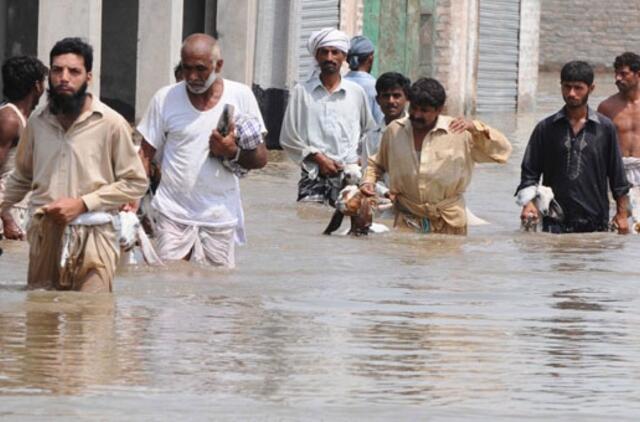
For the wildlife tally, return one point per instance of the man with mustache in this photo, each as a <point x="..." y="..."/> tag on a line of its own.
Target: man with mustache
<point x="429" y="159"/>
<point x="199" y="214"/>
<point x="576" y="152"/>
<point x="326" y="120"/>
<point x="23" y="82"/>
<point x="77" y="157"/>
<point x="623" y="109"/>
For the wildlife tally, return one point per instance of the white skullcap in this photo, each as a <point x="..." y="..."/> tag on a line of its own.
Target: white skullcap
<point x="328" y="37"/>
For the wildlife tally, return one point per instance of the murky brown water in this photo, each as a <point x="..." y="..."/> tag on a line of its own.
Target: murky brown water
<point x="500" y="324"/>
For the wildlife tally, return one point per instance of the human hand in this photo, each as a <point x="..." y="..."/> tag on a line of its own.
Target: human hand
<point x="368" y="189"/>
<point x="65" y="210"/>
<point x="223" y="146"/>
<point x="326" y="165"/>
<point x="460" y="124"/>
<point x="621" y="223"/>
<point x="131" y="206"/>
<point x="530" y="212"/>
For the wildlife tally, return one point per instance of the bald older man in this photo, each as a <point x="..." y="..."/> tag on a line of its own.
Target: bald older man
<point x="198" y="206"/>
<point x="325" y="121"/>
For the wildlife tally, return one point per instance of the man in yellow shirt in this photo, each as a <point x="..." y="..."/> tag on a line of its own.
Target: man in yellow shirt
<point x="429" y="158"/>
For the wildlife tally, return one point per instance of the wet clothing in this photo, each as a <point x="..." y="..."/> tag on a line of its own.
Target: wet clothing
<point x="333" y="124"/>
<point x="210" y="245"/>
<point x="632" y="170"/>
<point x="91" y="262"/>
<point x="371" y="144"/>
<point x="576" y="167"/>
<point x="368" y="83"/>
<point x="320" y="189"/>
<point x="430" y="184"/>
<point x="95" y="160"/>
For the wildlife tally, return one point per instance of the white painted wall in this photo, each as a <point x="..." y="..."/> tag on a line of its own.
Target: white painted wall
<point x="71" y="18"/>
<point x="159" y="42"/>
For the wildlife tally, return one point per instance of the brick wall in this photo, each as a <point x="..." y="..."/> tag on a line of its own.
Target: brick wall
<point x="595" y="31"/>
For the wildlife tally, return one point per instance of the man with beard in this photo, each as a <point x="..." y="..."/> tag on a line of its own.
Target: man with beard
<point x="623" y="109"/>
<point x="325" y="121"/>
<point x="575" y="151"/>
<point x="429" y="159"/>
<point x="77" y="156"/>
<point x="23" y="79"/>
<point x="199" y="213"/>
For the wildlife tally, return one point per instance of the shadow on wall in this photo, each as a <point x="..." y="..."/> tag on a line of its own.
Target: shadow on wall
<point x="126" y="110"/>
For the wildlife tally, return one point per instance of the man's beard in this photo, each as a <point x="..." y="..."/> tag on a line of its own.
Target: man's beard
<point x="582" y="103"/>
<point x="71" y="105"/>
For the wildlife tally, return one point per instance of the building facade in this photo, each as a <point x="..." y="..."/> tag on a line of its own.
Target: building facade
<point x="483" y="51"/>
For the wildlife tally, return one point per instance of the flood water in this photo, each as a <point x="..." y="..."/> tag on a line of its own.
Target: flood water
<point x="496" y="325"/>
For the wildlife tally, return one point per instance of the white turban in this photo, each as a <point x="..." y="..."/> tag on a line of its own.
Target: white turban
<point x="328" y="37"/>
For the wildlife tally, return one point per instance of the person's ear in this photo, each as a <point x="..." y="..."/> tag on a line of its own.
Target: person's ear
<point x="591" y="88"/>
<point x="218" y="66"/>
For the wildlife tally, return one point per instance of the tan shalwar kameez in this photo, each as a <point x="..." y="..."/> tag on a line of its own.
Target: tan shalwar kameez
<point x="95" y="160"/>
<point x="429" y="186"/>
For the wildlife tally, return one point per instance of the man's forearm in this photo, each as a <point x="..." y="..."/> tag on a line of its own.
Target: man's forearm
<point x="253" y="159"/>
<point x="622" y="205"/>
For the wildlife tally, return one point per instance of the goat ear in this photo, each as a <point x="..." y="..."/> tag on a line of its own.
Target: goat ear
<point x="335" y="223"/>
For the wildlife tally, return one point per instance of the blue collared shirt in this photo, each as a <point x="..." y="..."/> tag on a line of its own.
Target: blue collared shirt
<point x="368" y="83"/>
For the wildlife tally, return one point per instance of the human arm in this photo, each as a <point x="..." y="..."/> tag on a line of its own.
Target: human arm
<point x="9" y="134"/>
<point x="377" y="166"/>
<point x="531" y="171"/>
<point x="243" y="148"/>
<point x="618" y="183"/>
<point x="18" y="183"/>
<point x="129" y="181"/>
<point x="487" y="143"/>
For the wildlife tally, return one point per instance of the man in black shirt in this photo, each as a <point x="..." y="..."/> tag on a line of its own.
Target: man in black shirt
<point x="575" y="151"/>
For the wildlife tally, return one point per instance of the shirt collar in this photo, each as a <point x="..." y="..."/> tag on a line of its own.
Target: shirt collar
<point x="96" y="107"/>
<point x="442" y="124"/>
<point x="591" y="115"/>
<point x="317" y="83"/>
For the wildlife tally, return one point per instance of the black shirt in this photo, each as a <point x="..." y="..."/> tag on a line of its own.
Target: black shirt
<point x="576" y="167"/>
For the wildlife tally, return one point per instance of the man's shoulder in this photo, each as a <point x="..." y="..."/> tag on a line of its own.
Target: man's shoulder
<point x="237" y="87"/>
<point x="613" y="101"/>
<point x="9" y="117"/>
<point x="109" y="115"/>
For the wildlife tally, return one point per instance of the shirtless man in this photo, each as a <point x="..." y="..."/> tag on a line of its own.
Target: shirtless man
<point x="624" y="109"/>
<point x="23" y="80"/>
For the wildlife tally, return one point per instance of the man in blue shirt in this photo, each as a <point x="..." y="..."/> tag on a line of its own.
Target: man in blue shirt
<point x="360" y="60"/>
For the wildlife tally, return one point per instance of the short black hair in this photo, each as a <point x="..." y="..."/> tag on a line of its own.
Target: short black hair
<point x="577" y="71"/>
<point x="391" y="80"/>
<point x="19" y="76"/>
<point x="73" y="45"/>
<point x="427" y="92"/>
<point x="627" y="59"/>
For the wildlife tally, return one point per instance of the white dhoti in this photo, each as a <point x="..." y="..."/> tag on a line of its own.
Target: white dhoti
<point x="211" y="245"/>
<point x="632" y="171"/>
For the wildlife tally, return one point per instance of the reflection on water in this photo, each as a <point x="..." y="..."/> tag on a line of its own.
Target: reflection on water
<point x="498" y="324"/>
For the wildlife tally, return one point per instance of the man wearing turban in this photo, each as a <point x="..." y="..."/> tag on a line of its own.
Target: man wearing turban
<point x="325" y="121"/>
